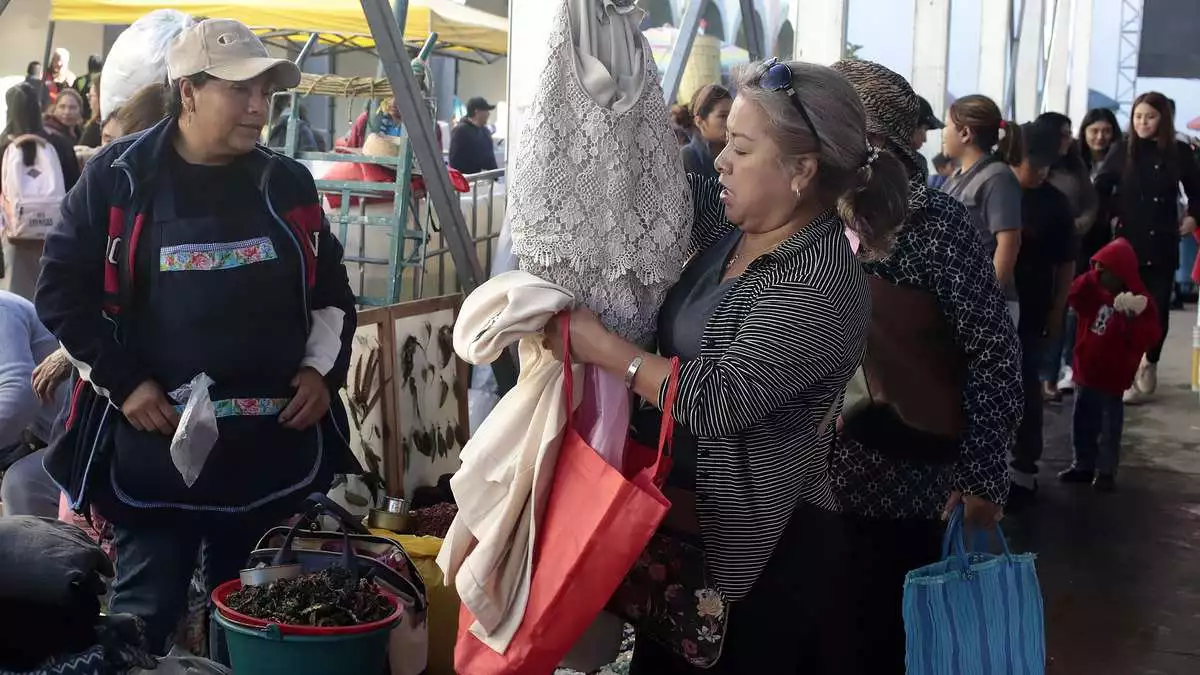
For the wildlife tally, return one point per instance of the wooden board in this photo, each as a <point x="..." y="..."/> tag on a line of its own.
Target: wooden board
<point x="429" y="384"/>
<point x="370" y="401"/>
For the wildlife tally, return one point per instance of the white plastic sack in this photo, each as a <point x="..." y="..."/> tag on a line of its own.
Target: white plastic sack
<point x="139" y="57"/>
<point x="197" y="431"/>
<point x="179" y="662"/>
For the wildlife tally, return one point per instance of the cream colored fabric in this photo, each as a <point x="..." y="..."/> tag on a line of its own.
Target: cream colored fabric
<point x="508" y="464"/>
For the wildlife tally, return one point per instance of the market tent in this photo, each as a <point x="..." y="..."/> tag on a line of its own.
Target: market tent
<point x="462" y="31"/>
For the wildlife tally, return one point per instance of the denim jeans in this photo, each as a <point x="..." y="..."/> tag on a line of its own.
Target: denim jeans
<point x="1097" y="424"/>
<point x="155" y="564"/>
<point x="1059" y="352"/>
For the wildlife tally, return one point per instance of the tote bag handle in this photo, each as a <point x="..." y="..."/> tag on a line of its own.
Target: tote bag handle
<point x="955" y="539"/>
<point x="666" y="432"/>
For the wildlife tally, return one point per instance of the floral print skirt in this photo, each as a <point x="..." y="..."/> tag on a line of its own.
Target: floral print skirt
<point x="670" y="598"/>
<point x="796" y="618"/>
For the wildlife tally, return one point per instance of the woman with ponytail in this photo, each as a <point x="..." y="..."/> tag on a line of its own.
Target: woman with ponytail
<point x="705" y="121"/>
<point x="769" y="320"/>
<point x="986" y="146"/>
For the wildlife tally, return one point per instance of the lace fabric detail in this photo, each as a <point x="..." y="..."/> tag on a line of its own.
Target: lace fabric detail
<point x="599" y="202"/>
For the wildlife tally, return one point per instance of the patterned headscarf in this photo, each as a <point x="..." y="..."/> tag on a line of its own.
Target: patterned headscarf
<point x="892" y="107"/>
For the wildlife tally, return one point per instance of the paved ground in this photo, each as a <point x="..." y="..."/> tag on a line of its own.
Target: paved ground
<point x="1121" y="572"/>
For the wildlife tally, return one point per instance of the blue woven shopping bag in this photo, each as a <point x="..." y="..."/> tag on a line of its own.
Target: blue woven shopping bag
<point x="974" y="613"/>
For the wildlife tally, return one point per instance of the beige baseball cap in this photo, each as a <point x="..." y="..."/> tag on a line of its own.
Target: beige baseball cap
<point x="229" y="50"/>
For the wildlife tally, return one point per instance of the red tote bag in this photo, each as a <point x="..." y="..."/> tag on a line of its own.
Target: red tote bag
<point x="596" y="524"/>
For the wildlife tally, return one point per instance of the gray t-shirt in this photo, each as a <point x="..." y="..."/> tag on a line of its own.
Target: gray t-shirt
<point x="992" y="194"/>
<point x="681" y="323"/>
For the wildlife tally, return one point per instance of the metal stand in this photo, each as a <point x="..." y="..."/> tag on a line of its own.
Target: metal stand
<point x="1128" y="50"/>
<point x="389" y="43"/>
<point x="682" y="49"/>
<point x="754" y="30"/>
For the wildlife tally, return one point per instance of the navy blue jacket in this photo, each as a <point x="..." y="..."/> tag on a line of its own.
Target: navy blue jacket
<point x="87" y="282"/>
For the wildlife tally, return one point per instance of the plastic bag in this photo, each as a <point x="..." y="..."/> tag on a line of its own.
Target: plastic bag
<point x="139" y="57"/>
<point x="602" y="418"/>
<point x="197" y="431"/>
<point x="180" y="662"/>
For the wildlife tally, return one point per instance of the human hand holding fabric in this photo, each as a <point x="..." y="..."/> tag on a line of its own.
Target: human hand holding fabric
<point x="148" y="409"/>
<point x="309" y="404"/>
<point x="586" y="335"/>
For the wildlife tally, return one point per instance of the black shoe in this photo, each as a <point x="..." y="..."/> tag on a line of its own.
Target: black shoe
<point x="1073" y="475"/>
<point x="1105" y="482"/>
<point x="1019" y="497"/>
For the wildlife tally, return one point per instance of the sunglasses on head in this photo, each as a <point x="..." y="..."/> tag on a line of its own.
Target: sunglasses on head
<point x="778" y="76"/>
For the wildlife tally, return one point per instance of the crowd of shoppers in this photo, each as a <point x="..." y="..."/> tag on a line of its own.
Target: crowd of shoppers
<point x="1032" y="263"/>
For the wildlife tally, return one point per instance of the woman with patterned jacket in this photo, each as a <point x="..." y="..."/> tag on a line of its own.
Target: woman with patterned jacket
<point x="894" y="486"/>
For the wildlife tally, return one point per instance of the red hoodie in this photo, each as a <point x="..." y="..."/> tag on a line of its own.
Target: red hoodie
<point x="1108" y="344"/>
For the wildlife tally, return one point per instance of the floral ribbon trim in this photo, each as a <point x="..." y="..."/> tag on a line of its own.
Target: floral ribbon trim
<point x="246" y="407"/>
<point x="218" y="256"/>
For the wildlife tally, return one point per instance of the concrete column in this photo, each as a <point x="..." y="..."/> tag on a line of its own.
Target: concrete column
<point x="820" y="29"/>
<point x="995" y="41"/>
<point x="1058" y="67"/>
<point x="1081" y="61"/>
<point x="1030" y="56"/>
<point x="931" y="55"/>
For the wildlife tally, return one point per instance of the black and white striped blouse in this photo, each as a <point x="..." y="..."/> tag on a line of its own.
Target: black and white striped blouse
<point x="775" y="357"/>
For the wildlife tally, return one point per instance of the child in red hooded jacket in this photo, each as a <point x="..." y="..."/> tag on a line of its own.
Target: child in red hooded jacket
<point x="1118" y="322"/>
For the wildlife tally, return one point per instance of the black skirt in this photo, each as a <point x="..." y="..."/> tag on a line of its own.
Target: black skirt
<point x="797" y="617"/>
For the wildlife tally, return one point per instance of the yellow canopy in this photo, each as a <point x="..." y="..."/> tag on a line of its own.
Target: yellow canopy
<point x="459" y="28"/>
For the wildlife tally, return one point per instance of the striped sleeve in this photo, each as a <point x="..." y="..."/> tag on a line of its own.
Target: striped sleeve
<point x="783" y="348"/>
<point x="708" y="213"/>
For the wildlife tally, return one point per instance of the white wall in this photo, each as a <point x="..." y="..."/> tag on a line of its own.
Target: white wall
<point x="23" y="29"/>
<point x="490" y="81"/>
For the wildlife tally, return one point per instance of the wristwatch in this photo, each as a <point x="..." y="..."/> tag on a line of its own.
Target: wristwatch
<point x="632" y="370"/>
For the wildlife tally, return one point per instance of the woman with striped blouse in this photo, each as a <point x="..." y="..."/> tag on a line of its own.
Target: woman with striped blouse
<point x="769" y="321"/>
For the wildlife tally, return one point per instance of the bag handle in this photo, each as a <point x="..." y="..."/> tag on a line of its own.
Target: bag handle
<point x="285" y="556"/>
<point x="954" y="538"/>
<point x="318" y="504"/>
<point x="666" y="431"/>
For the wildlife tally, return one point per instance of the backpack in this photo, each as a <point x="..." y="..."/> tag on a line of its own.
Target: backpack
<point x="31" y="196"/>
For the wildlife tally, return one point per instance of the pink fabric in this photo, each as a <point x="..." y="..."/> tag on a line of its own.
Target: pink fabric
<point x="99" y="529"/>
<point x="602" y="417"/>
<point x="853" y="239"/>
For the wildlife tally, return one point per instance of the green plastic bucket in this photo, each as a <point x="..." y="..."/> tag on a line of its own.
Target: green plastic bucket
<point x="268" y="651"/>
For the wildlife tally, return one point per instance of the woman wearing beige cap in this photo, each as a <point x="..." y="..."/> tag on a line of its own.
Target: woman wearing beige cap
<point x="188" y="249"/>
